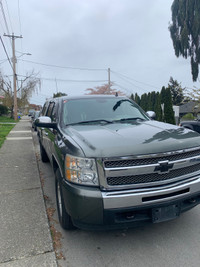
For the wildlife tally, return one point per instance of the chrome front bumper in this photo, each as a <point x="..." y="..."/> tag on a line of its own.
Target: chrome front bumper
<point x="143" y="197"/>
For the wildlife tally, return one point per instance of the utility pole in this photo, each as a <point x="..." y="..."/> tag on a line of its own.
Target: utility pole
<point x="109" y="79"/>
<point x="13" y="37"/>
<point x="56" y="86"/>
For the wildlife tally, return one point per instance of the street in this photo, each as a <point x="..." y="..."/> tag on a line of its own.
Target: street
<point x="173" y="243"/>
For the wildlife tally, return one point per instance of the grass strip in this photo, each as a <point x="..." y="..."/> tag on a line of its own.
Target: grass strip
<point x="4" y="131"/>
<point x="6" y="119"/>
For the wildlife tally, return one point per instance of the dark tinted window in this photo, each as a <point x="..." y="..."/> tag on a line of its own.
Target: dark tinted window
<point x="50" y="109"/>
<point x="53" y="112"/>
<point x="44" y="109"/>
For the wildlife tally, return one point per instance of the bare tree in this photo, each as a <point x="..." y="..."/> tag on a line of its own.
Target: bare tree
<point x="29" y="84"/>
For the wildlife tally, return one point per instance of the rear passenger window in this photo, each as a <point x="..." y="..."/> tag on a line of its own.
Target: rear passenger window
<point x="53" y="114"/>
<point x="44" y="109"/>
<point x="51" y="111"/>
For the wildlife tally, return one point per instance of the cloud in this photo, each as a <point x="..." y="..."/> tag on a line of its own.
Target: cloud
<point x="130" y="37"/>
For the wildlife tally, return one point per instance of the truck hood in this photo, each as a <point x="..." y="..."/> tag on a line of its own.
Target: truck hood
<point x="129" y="139"/>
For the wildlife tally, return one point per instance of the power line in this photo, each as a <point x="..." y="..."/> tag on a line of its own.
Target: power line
<point x="5" y="21"/>
<point x="4" y="17"/>
<point x="9" y="15"/>
<point x="122" y="87"/>
<point x="62" y="80"/>
<point x="2" y="26"/>
<point x="20" y="27"/>
<point x="135" y="80"/>
<point x="6" y="52"/>
<point x="62" y="67"/>
<point x="136" y="86"/>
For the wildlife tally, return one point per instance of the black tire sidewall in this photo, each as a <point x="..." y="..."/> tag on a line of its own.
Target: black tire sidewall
<point x="64" y="218"/>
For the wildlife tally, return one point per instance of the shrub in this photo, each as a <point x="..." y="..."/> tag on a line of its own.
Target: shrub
<point x="188" y="116"/>
<point x="3" y="110"/>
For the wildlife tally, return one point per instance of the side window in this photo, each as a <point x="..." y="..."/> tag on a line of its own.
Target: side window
<point x="51" y="111"/>
<point x="44" y="109"/>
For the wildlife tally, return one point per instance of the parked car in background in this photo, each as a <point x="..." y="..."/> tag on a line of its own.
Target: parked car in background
<point x="35" y="115"/>
<point x="31" y="112"/>
<point x="192" y="125"/>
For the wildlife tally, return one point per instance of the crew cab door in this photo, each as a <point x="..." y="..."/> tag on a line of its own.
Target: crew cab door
<point x="49" y="133"/>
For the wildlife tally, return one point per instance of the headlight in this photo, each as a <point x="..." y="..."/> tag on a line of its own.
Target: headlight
<point x="81" y="170"/>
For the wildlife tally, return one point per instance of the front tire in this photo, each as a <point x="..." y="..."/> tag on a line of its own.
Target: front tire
<point x="64" y="217"/>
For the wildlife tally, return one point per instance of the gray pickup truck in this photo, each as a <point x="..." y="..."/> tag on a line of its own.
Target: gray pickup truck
<point x="114" y="166"/>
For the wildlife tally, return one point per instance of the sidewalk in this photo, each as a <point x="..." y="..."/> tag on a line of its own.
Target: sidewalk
<point x="25" y="238"/>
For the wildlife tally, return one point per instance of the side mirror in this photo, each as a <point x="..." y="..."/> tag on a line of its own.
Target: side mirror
<point x="151" y="114"/>
<point x="45" y="122"/>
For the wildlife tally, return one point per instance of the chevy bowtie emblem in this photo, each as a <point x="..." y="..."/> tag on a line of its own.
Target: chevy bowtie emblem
<point x="164" y="167"/>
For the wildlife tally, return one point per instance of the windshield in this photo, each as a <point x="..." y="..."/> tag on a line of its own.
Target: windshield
<point x="100" y="109"/>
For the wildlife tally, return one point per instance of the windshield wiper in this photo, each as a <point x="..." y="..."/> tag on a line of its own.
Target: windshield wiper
<point x="91" y="121"/>
<point x="130" y="119"/>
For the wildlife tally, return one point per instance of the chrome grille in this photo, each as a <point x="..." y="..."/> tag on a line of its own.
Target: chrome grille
<point x="151" y="177"/>
<point x="143" y="170"/>
<point x="150" y="160"/>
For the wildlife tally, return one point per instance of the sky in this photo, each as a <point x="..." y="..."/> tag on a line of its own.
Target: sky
<point x="73" y="43"/>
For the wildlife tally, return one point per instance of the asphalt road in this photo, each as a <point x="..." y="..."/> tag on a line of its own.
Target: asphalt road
<point x="173" y="243"/>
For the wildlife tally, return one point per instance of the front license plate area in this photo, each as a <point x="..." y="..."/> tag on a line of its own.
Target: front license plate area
<point x="166" y="213"/>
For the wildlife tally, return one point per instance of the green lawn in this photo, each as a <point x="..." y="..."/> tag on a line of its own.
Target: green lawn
<point x="6" y="119"/>
<point x="5" y="128"/>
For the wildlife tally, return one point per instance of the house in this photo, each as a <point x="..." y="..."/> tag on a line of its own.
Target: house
<point x="189" y="107"/>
